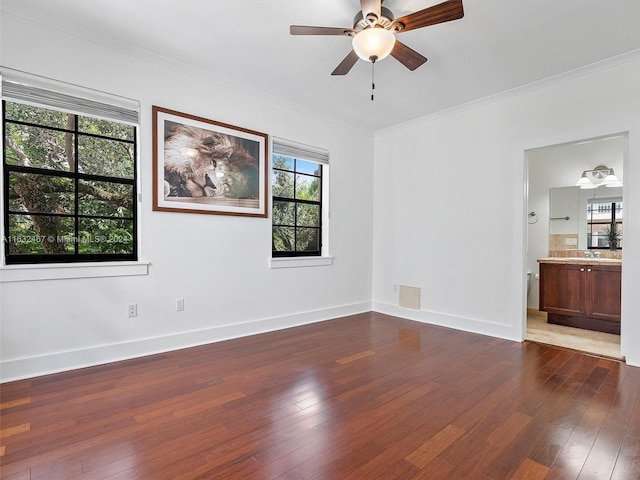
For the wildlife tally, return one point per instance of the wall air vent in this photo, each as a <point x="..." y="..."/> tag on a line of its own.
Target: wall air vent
<point x="409" y="297"/>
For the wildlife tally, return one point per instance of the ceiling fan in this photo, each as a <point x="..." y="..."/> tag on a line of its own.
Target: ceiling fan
<point x="374" y="30"/>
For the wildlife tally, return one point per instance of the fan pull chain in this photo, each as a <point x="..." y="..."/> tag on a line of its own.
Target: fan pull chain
<point x="373" y="84"/>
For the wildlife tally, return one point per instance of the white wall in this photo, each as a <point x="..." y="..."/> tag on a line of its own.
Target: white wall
<point x="218" y="264"/>
<point x="450" y="206"/>
<point x="561" y="166"/>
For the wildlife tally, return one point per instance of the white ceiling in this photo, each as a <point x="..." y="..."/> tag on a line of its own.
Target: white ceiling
<point x="498" y="45"/>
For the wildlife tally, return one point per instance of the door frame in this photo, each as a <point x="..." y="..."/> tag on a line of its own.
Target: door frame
<point x="597" y="133"/>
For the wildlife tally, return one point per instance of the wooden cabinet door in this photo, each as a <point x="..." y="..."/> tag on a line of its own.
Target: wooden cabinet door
<point x="603" y="292"/>
<point x="562" y="288"/>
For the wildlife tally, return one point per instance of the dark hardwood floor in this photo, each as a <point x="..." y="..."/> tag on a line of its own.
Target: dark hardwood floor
<point x="362" y="397"/>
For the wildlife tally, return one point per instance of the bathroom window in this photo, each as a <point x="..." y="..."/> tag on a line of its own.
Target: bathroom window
<point x="601" y="215"/>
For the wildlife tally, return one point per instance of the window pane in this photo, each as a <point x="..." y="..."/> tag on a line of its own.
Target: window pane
<point x="283" y="239"/>
<point x="283" y="213"/>
<point x="105" y="236"/>
<point x="307" y="240"/>
<point x="307" y="188"/>
<point x="105" y="157"/>
<point x="308" y="215"/>
<point x="283" y="163"/>
<point x="38" y="234"/>
<point x="41" y="193"/>
<point x="311" y="168"/>
<point x="282" y="184"/>
<point x="39" y="116"/>
<point x="38" y="147"/>
<point x="105" y="199"/>
<point x="106" y="128"/>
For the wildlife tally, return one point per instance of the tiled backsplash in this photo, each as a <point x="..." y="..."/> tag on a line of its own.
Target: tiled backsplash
<point x="563" y="241"/>
<point x="565" y="245"/>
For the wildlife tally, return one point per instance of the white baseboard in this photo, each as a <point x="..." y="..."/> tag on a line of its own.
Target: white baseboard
<point x="508" y="332"/>
<point x="19" y="369"/>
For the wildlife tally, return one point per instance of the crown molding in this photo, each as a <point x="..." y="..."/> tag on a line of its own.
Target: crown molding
<point x="628" y="57"/>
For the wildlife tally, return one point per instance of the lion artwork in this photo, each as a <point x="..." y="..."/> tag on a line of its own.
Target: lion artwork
<point x="202" y="163"/>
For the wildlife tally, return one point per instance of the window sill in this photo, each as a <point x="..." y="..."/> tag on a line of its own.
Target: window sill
<point x="292" y="262"/>
<point x="60" y="271"/>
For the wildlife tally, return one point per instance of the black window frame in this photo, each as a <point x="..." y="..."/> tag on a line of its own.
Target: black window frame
<point x="295" y="202"/>
<point x="614" y="206"/>
<point x="76" y="177"/>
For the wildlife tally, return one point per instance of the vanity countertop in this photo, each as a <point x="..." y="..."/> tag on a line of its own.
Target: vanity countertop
<point x="582" y="261"/>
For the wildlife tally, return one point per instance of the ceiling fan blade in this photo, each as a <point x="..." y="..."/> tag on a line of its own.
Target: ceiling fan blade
<point x="443" y="12"/>
<point x="407" y="56"/>
<point x="306" y="30"/>
<point x="347" y="64"/>
<point x="370" y="6"/>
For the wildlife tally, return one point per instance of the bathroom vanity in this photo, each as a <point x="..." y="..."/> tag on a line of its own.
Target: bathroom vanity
<point x="582" y="292"/>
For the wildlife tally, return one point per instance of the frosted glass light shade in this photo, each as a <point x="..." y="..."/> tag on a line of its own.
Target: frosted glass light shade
<point x="374" y="42"/>
<point x="584" y="182"/>
<point x="611" y="180"/>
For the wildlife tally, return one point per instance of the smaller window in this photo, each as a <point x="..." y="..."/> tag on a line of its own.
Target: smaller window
<point x="602" y="215"/>
<point x="297" y="207"/>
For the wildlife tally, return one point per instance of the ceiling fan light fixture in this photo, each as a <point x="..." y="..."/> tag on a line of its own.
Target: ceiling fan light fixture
<point x="374" y="43"/>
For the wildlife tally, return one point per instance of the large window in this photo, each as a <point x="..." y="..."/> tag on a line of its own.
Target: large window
<point x="297" y="186"/>
<point x="69" y="189"/>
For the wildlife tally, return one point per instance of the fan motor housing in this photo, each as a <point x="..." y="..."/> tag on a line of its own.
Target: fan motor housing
<point x="385" y="20"/>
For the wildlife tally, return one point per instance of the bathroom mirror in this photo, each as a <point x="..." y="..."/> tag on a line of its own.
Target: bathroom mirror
<point x="578" y="217"/>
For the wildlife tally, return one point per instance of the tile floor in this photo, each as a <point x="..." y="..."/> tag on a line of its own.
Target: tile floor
<point x="598" y="343"/>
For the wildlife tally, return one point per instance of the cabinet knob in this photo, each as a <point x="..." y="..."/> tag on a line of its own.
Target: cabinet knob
<point x="582" y="269"/>
<point x="588" y="269"/>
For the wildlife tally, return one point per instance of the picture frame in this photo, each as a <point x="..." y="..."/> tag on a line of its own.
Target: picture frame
<point x="209" y="167"/>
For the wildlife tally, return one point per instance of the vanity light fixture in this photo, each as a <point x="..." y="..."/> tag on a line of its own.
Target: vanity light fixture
<point x="599" y="176"/>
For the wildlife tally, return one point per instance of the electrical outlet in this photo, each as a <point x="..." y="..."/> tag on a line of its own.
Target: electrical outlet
<point x="133" y="310"/>
<point x="395" y="287"/>
<point x="179" y="304"/>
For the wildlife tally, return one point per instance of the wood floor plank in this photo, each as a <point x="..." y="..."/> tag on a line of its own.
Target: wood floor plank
<point x="429" y="450"/>
<point x="362" y="397"/>
<point x="355" y="356"/>
<point x="530" y="470"/>
<point x="508" y="430"/>
<point x="15" y="430"/>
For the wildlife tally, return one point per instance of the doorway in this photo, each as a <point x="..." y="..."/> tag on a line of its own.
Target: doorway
<point x="553" y="231"/>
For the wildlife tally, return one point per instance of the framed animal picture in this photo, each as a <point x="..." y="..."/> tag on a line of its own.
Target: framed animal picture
<point x="204" y="166"/>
